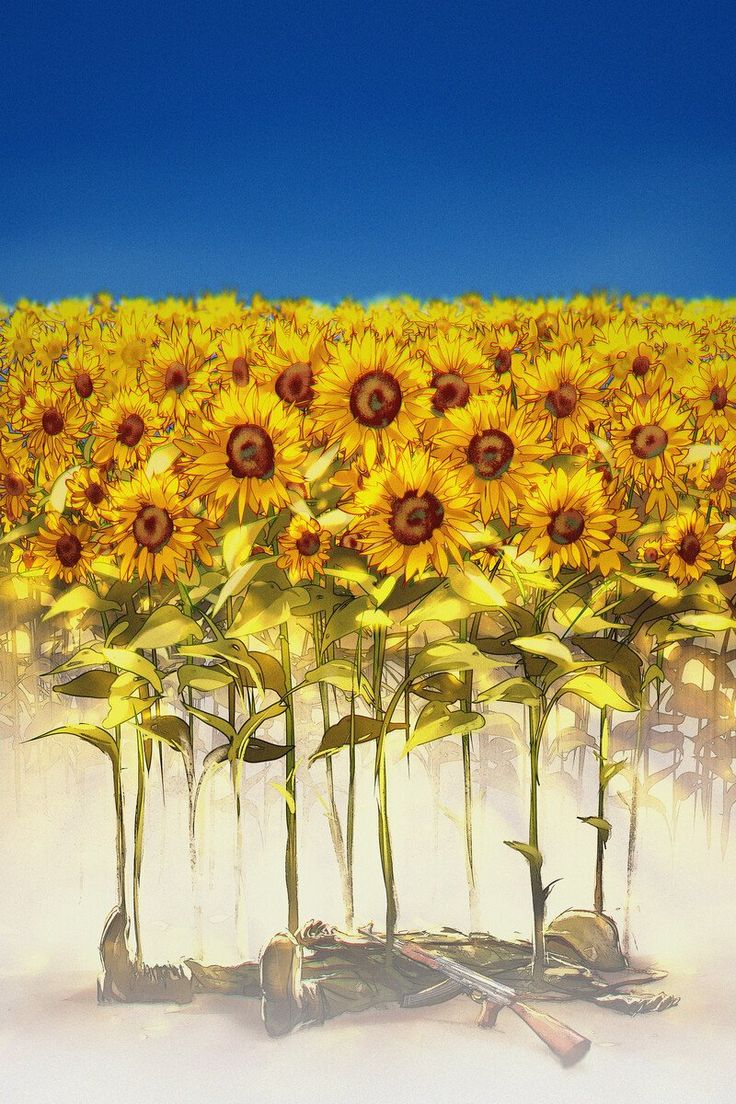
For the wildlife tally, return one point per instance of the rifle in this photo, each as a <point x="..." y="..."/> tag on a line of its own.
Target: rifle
<point x="562" y="1040"/>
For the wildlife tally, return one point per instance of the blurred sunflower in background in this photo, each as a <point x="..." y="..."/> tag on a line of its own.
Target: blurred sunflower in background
<point x="412" y="514"/>
<point x="17" y="482"/>
<point x="247" y="447"/>
<point x="153" y="529"/>
<point x="237" y="352"/>
<point x="711" y="395"/>
<point x="304" y="546"/>
<point x="716" y="476"/>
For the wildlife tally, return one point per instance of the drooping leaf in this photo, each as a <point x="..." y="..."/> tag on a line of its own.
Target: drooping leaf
<point x="441" y="604"/>
<point x="610" y="769"/>
<point x="202" y="678"/>
<point x="594" y="689"/>
<point x="90" y="684"/>
<point x="268" y="605"/>
<point x="532" y="854"/>
<point x="287" y="796"/>
<point x="239" y="747"/>
<point x="601" y="825"/>
<point x="518" y="690"/>
<point x="79" y="598"/>
<point x="338" y="735"/>
<point x="342" y="674"/>
<point x="619" y="658"/>
<point x="345" y="620"/>
<point x="545" y="644"/>
<point x="471" y="583"/>
<point x="176" y="733"/>
<point x="166" y="627"/>
<point x="437" y="721"/>
<point x="91" y="734"/>
<point x="221" y="724"/>
<point x="450" y="656"/>
<point x="441" y="687"/>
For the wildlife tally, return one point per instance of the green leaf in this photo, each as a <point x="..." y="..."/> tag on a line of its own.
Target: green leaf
<point x="437" y="721"/>
<point x="441" y="687"/>
<point x="219" y="723"/>
<point x="77" y="598"/>
<point x="125" y="701"/>
<point x="532" y="854"/>
<point x="241" y="742"/>
<point x="547" y="645"/>
<point x="166" y="627"/>
<point x="472" y="584"/>
<point x="90" y="684"/>
<point x="658" y="585"/>
<point x="268" y="605"/>
<point x="441" y="604"/>
<point x="261" y="751"/>
<point x="345" y="620"/>
<point x="446" y="656"/>
<point x="342" y="674"/>
<point x="601" y="825"/>
<point x="201" y="678"/>
<point x="348" y="565"/>
<point x="127" y="660"/>
<point x="91" y="734"/>
<point x="619" y="658"/>
<point x="175" y="732"/>
<point x="610" y="769"/>
<point x="287" y="796"/>
<point x="594" y="689"/>
<point x="338" y="735"/>
<point x="707" y="622"/>
<point x="518" y="690"/>
<point x="238" y="542"/>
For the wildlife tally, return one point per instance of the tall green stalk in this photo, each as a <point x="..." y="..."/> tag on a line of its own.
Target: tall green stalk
<point x="290" y="859"/>
<point x="140" y="810"/>
<point x="384" y="833"/>
<point x="601" y="834"/>
<point x="468" y="786"/>
<point x="537" y="718"/>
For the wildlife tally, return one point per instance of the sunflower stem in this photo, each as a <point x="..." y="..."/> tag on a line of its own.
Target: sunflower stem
<point x="290" y="859"/>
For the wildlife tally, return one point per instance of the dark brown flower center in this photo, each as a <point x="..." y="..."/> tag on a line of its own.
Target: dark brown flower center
<point x="52" y="422"/>
<point x="719" y="397"/>
<point x="176" y="378"/>
<point x="131" y="430"/>
<point x="68" y="550"/>
<point x="294" y="385"/>
<point x="250" y="453"/>
<point x="490" y="453"/>
<point x="308" y="544"/>
<point x="375" y="399"/>
<point x="13" y="484"/>
<point x="94" y="494"/>
<point x="650" y="556"/>
<point x="153" y="528"/>
<point x="733" y="545"/>
<point x="450" y="390"/>
<point x="689" y="548"/>
<point x="579" y="449"/>
<point x="648" y="441"/>
<point x="718" y="479"/>
<point x="241" y="371"/>
<point x="544" y="328"/>
<point x="351" y="541"/>
<point x="414" y="517"/>
<point x="562" y="401"/>
<point x="640" y="365"/>
<point x="566" y="526"/>
<point x="502" y="363"/>
<point x="83" y="384"/>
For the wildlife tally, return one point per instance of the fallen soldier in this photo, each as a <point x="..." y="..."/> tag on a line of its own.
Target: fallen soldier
<point x="321" y="973"/>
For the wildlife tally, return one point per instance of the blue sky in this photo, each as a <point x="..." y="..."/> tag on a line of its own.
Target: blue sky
<point x="339" y="149"/>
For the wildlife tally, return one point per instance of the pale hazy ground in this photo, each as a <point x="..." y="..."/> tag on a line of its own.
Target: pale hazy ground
<point x="58" y="1046"/>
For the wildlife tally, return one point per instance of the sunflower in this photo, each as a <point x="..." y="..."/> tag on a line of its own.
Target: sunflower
<point x="372" y="398"/>
<point x="54" y="424"/>
<point x="84" y="373"/>
<point x="688" y="547"/>
<point x="247" y="446"/>
<point x="50" y="345"/>
<point x="128" y="343"/>
<point x="712" y="398"/>
<point x="569" y="519"/>
<point x="623" y="346"/>
<point x="456" y="369"/>
<point x="304" y="547"/>
<point x="291" y="364"/>
<point x="412" y="513"/>
<point x="153" y="528"/>
<point x="16" y="338"/>
<point x="563" y="391"/>
<point x="650" y="550"/>
<point x="126" y="428"/>
<point x="63" y="549"/>
<point x="21" y="381"/>
<point x="16" y="482"/>
<point x="498" y="450"/>
<point x="238" y="351"/>
<point x="727" y="547"/>
<point x="716" y="477"/>
<point x="649" y="441"/>
<point x="87" y="492"/>
<point x="175" y="373"/>
<point x="508" y="348"/>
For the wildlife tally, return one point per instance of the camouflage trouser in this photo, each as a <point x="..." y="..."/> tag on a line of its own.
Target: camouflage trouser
<point x="356" y="982"/>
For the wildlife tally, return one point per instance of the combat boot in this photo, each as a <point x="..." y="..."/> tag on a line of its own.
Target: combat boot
<point x="287" y="1001"/>
<point x="127" y="982"/>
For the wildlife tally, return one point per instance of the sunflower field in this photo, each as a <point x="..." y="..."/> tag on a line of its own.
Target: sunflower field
<point x="285" y="535"/>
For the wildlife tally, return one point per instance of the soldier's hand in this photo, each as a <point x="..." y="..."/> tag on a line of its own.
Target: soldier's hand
<point x="315" y="932"/>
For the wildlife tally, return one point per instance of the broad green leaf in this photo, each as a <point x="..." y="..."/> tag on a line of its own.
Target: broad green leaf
<point x="238" y="542"/>
<point x="268" y="605"/>
<point x="90" y="684"/>
<point x="441" y="687"/>
<point x="239" y="747"/>
<point x="127" y="660"/>
<point x="125" y="700"/>
<point x="437" y="721"/>
<point x="337" y="735"/>
<point x="201" y="678"/>
<point x="601" y="825"/>
<point x="546" y="645"/>
<point x="472" y="584"/>
<point x="441" y="604"/>
<point x="345" y="620"/>
<point x="610" y="769"/>
<point x="349" y="566"/>
<point x="594" y="689"/>
<point x="374" y="619"/>
<point x="707" y="622"/>
<point x="166" y="627"/>
<point x="453" y="656"/>
<point x="241" y="577"/>
<point x="261" y="751"/>
<point x="518" y="690"/>
<point x="532" y="854"/>
<point x="78" y="598"/>
<point x="219" y="723"/>
<point x="233" y="651"/>
<point x="619" y="658"/>
<point x="342" y="674"/>
<point x="91" y="734"/>
<point x="658" y="585"/>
